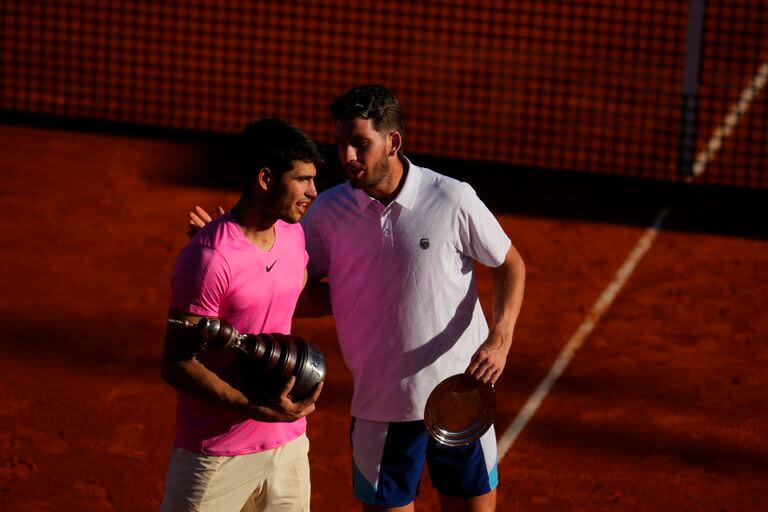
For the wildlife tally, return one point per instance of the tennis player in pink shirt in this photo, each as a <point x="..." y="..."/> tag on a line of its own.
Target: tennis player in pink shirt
<point x="248" y="268"/>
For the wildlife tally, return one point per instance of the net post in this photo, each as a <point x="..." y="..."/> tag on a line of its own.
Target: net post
<point x="689" y="98"/>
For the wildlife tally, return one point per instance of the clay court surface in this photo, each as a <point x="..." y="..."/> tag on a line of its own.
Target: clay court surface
<point x="663" y="408"/>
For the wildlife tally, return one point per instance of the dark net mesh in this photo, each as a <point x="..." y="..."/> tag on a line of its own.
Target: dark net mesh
<point x="594" y="86"/>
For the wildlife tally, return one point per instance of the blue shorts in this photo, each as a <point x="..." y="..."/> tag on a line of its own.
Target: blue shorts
<point x="388" y="460"/>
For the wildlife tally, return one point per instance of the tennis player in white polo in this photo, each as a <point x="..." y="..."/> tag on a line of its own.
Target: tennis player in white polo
<point x="398" y="243"/>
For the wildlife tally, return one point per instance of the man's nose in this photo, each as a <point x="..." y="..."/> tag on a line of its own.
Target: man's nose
<point x="347" y="154"/>
<point x="312" y="190"/>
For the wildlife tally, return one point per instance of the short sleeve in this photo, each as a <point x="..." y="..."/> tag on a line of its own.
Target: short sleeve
<point x="480" y="236"/>
<point x="199" y="281"/>
<point x="317" y="248"/>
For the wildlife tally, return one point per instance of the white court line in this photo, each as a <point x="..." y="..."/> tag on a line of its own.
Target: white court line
<point x="584" y="330"/>
<point x="729" y="123"/>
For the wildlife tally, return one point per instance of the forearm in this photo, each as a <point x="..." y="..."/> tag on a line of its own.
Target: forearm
<point x="508" y="287"/>
<point x="192" y="377"/>
<point x="182" y="370"/>
<point x="488" y="362"/>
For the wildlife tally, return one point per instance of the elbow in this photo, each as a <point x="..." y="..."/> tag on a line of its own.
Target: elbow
<point x="514" y="262"/>
<point x="520" y="267"/>
<point x="170" y="372"/>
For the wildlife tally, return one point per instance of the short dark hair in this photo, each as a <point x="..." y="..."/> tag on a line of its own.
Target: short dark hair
<point x="276" y="144"/>
<point x="374" y="102"/>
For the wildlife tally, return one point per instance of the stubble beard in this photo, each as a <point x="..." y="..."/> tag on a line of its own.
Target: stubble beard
<point x="374" y="176"/>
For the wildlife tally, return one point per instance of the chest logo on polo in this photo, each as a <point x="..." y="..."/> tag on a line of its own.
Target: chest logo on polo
<point x="424" y="243"/>
<point x="269" y="267"/>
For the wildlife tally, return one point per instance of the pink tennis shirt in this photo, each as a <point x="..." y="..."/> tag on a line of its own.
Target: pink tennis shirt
<point x="220" y="273"/>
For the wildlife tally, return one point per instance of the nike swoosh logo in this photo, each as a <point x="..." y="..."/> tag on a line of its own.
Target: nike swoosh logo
<point x="270" y="266"/>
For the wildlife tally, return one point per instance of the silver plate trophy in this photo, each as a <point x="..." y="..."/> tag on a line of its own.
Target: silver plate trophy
<point x="460" y="410"/>
<point x="267" y="361"/>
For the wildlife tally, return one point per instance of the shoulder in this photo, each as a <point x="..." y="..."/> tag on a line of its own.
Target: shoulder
<point x="218" y="234"/>
<point x="441" y="187"/>
<point x="338" y="194"/>
<point x="328" y="205"/>
<point x="292" y="232"/>
<point x="210" y="243"/>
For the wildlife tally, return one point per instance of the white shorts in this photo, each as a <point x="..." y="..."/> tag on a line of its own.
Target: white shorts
<point x="274" y="480"/>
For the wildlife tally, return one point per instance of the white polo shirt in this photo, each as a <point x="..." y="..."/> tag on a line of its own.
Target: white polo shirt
<point x="402" y="285"/>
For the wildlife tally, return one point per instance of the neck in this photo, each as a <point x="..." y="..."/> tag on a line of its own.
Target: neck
<point x="257" y="223"/>
<point x="386" y="191"/>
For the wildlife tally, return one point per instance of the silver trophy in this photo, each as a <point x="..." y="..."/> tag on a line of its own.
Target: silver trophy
<point x="267" y="360"/>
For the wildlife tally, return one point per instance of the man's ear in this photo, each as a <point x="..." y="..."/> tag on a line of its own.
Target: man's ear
<point x="264" y="179"/>
<point x="397" y="142"/>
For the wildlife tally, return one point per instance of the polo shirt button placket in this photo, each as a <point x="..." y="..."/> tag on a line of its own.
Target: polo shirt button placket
<point x="386" y="226"/>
